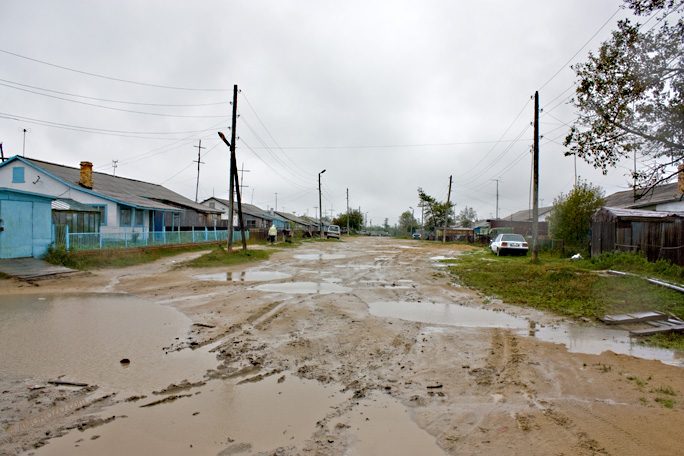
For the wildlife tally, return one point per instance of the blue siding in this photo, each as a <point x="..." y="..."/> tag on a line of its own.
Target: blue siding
<point x="26" y="225"/>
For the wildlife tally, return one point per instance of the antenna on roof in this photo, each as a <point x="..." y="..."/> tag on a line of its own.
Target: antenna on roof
<point x="114" y="165"/>
<point x="2" y="154"/>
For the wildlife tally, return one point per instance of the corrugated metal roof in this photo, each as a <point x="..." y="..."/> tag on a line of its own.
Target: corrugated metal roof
<point x="526" y="214"/>
<point x="128" y="191"/>
<point x="636" y="213"/>
<point x="657" y="195"/>
<point x="63" y="204"/>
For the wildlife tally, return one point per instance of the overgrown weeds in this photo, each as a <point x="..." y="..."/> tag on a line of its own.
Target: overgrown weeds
<point x="116" y="258"/>
<point x="574" y="288"/>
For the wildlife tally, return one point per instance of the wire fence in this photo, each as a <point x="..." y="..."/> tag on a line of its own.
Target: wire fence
<point x="130" y="239"/>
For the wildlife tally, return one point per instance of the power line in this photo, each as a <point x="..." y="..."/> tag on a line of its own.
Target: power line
<point x="114" y="101"/>
<point x="95" y="75"/>
<point x="111" y="107"/>
<point x="580" y="49"/>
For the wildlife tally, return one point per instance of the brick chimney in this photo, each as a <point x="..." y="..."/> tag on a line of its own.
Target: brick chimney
<point x="86" y="175"/>
<point x="680" y="182"/>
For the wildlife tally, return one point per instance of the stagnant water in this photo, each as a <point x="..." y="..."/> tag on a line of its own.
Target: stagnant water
<point x="245" y="276"/>
<point x="577" y="338"/>
<point x="83" y="337"/>
<point x="304" y="287"/>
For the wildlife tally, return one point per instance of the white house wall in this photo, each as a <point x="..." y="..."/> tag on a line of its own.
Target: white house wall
<point x="47" y="185"/>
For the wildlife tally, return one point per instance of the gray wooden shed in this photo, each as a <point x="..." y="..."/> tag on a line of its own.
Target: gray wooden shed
<point x="658" y="234"/>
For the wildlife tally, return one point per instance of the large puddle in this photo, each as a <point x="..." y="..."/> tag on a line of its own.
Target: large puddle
<point x="320" y="256"/>
<point x="84" y="338"/>
<point x="220" y="417"/>
<point x="577" y="338"/>
<point x="245" y="276"/>
<point x="304" y="288"/>
<point x="446" y="314"/>
<point x="381" y="425"/>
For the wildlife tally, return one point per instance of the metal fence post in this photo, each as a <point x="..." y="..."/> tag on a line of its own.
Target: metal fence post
<point x="125" y="238"/>
<point x="67" y="236"/>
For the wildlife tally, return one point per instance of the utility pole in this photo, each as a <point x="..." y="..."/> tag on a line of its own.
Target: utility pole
<point x="276" y="206"/>
<point x="320" y="206"/>
<point x="242" y="178"/>
<point x="535" y="185"/>
<point x="446" y="217"/>
<point x="114" y="165"/>
<point x="232" y="177"/>
<point x="497" y="197"/>
<point x="199" y="152"/>
<point x="23" y="148"/>
<point x="347" y="211"/>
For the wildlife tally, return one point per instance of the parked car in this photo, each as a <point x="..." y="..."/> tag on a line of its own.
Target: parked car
<point x="514" y="244"/>
<point x="333" y="232"/>
<point x="416" y="236"/>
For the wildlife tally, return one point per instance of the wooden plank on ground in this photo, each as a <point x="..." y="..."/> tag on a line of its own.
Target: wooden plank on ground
<point x="656" y="330"/>
<point x="633" y="317"/>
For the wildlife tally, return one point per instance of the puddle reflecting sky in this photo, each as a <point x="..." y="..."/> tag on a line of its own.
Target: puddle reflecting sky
<point x="320" y="256"/>
<point x="447" y="314"/>
<point x="84" y="337"/>
<point x="245" y="276"/>
<point x="577" y="338"/>
<point x="304" y="288"/>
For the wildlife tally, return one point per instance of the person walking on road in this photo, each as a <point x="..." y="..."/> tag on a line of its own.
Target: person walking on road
<point x="272" y="233"/>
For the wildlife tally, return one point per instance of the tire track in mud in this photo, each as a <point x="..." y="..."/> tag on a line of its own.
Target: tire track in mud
<point x="619" y="440"/>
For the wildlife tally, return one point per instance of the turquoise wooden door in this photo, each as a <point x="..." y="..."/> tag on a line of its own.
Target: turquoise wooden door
<point x="16" y="239"/>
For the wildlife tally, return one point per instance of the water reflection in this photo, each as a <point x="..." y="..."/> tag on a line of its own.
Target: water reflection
<point x="85" y="336"/>
<point x="245" y="276"/>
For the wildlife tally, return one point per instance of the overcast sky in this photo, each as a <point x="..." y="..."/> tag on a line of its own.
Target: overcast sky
<point x="386" y="96"/>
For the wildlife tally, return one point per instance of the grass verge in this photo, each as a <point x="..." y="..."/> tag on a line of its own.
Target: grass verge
<point x="221" y="257"/>
<point x="130" y="257"/>
<point x="575" y="288"/>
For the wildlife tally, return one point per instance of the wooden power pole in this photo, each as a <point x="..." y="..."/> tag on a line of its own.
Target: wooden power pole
<point x="446" y="216"/>
<point x="535" y="179"/>
<point x="199" y="154"/>
<point x="234" y="183"/>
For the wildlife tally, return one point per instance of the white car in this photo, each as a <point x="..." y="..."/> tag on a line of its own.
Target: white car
<point x="416" y="236"/>
<point x="514" y="244"/>
<point x="333" y="232"/>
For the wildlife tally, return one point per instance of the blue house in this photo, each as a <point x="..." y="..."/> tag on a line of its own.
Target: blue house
<point x="25" y="223"/>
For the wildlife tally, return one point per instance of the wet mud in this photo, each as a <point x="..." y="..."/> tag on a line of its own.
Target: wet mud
<point x="357" y="347"/>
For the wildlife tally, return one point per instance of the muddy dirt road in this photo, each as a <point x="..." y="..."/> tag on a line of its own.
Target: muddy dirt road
<point x="306" y="356"/>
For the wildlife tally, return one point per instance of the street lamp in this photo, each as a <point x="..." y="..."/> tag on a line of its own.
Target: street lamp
<point x="411" y="224"/>
<point x="320" y="206"/>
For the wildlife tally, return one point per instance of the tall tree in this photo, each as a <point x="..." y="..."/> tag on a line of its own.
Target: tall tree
<point x="435" y="211"/>
<point x="630" y="96"/>
<point x="466" y="217"/>
<point x="407" y="223"/>
<point x="570" y="217"/>
<point x="355" y="220"/>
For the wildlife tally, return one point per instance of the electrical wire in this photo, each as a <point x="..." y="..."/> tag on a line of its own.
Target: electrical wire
<point x="109" y="77"/>
<point x="114" y="101"/>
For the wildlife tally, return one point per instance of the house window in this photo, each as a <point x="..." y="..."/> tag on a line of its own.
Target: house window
<point x="138" y="217"/>
<point x="103" y="213"/>
<point x="125" y="217"/>
<point x="18" y="175"/>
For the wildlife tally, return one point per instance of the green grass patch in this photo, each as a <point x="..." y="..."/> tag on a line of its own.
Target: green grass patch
<point x="668" y="402"/>
<point x="116" y="258"/>
<point x="570" y="287"/>
<point x="221" y="257"/>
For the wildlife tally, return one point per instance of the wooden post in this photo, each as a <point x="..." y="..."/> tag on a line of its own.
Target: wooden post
<point x="232" y="164"/>
<point x="535" y="184"/>
<point x="446" y="217"/>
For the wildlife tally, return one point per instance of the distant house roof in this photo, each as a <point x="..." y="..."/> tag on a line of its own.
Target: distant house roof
<point x="526" y="214"/>
<point x="294" y="218"/>
<point x="658" y="195"/>
<point x="248" y="209"/>
<point x="614" y="213"/>
<point x="131" y="192"/>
